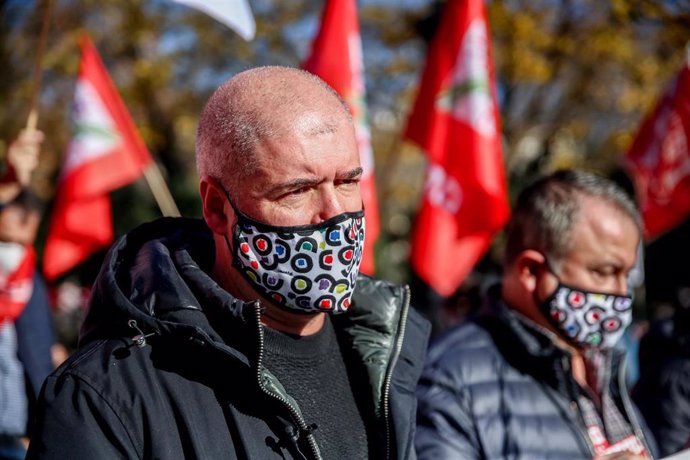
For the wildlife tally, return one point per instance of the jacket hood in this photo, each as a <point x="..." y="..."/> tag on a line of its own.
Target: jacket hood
<point x="157" y="275"/>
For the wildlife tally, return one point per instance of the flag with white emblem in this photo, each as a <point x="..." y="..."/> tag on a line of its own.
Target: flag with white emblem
<point x="455" y="120"/>
<point x="106" y="153"/>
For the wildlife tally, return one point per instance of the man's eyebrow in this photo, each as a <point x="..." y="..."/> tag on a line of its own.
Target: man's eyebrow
<point x="352" y="174"/>
<point x="301" y="182"/>
<point x="293" y="185"/>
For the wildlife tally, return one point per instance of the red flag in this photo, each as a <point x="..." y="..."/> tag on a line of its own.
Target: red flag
<point x="660" y="162"/>
<point x="455" y="120"/>
<point x="105" y="153"/>
<point x="336" y="57"/>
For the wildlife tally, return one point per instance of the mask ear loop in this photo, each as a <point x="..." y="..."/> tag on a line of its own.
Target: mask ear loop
<point x="544" y="305"/>
<point x="238" y="214"/>
<point x="231" y="203"/>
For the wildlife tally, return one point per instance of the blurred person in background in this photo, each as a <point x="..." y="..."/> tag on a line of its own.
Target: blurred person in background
<point x="70" y="302"/>
<point x="464" y="302"/>
<point x="663" y="390"/>
<point x="535" y="374"/>
<point x="20" y="162"/>
<point x="248" y="334"/>
<point x="26" y="328"/>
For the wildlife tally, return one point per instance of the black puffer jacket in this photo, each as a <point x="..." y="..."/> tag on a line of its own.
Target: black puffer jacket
<point x="495" y="388"/>
<point x="194" y="386"/>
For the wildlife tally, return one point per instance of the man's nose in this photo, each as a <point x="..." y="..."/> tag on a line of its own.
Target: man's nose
<point x="329" y="205"/>
<point x="622" y="285"/>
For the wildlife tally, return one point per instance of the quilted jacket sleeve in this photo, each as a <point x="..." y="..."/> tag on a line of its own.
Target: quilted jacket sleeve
<point x="444" y="426"/>
<point x="74" y="421"/>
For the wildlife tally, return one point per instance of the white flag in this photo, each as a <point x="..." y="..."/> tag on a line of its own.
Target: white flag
<point x="235" y="14"/>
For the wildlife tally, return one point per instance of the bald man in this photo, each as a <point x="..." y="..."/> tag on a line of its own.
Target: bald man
<point x="249" y="334"/>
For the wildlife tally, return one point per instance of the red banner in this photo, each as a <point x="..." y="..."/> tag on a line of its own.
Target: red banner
<point x="660" y="162"/>
<point x="455" y="120"/>
<point x="336" y="58"/>
<point x="106" y="152"/>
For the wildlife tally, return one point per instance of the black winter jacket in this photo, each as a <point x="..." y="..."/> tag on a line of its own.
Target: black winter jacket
<point x="663" y="391"/>
<point x="495" y="388"/>
<point x="170" y="365"/>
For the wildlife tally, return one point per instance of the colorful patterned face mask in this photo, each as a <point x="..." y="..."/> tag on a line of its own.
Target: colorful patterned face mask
<point x="307" y="268"/>
<point x="589" y="320"/>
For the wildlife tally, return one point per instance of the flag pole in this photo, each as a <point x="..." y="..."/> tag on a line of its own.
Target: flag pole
<point x="160" y="190"/>
<point x="32" y="120"/>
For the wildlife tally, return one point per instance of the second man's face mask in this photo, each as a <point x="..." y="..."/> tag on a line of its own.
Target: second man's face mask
<point x="588" y="319"/>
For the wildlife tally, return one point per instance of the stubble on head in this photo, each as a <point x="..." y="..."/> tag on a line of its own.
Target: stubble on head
<point x="259" y="105"/>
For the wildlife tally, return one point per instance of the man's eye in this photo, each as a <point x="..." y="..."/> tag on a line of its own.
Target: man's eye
<point x="603" y="272"/>
<point x="299" y="191"/>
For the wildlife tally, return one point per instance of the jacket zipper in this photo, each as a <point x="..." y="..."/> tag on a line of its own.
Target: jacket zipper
<point x="297" y="418"/>
<point x="389" y="373"/>
<point x="574" y="406"/>
<point x="627" y="405"/>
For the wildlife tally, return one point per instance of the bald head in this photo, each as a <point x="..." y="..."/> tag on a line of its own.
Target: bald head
<point x="257" y="105"/>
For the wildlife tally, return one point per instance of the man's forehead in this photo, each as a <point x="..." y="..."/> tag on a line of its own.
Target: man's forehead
<point x="314" y="123"/>
<point x="593" y="210"/>
<point x="279" y="160"/>
<point x="306" y="125"/>
<point x="603" y="228"/>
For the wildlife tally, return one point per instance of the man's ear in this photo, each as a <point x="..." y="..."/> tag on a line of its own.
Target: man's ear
<point x="214" y="203"/>
<point x="527" y="265"/>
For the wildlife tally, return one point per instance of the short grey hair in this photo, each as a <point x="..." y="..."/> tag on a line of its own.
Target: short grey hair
<point x="546" y="211"/>
<point x="253" y="105"/>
